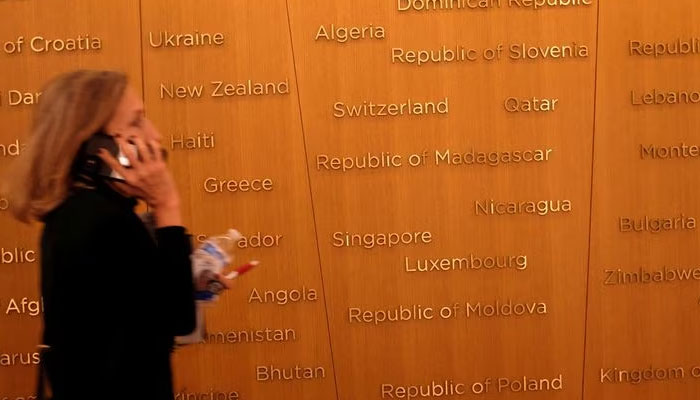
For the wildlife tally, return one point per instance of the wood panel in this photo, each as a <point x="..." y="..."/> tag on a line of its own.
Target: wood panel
<point x="452" y="334"/>
<point x="27" y="61"/>
<point x="448" y="336"/>
<point x="642" y="318"/>
<point x="257" y="136"/>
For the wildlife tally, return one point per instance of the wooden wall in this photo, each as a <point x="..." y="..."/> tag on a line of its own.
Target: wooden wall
<point x="643" y="291"/>
<point x="450" y="195"/>
<point x="463" y="342"/>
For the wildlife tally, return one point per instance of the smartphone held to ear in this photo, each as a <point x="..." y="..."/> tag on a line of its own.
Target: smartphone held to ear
<point x="90" y="165"/>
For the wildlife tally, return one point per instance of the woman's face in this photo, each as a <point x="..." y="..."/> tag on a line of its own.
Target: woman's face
<point x="129" y="120"/>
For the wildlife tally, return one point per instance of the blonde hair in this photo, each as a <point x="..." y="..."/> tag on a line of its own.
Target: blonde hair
<point x="72" y="107"/>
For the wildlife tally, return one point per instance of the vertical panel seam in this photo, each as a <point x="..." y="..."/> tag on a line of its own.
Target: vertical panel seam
<point x="590" y="203"/>
<point x="311" y="196"/>
<point x="143" y="70"/>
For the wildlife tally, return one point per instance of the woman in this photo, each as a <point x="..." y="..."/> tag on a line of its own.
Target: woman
<point x="115" y="294"/>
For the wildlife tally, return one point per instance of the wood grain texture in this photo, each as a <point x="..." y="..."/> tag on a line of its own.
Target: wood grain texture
<point x="299" y="141"/>
<point x="256" y="137"/>
<point x="441" y="198"/>
<point x="646" y="325"/>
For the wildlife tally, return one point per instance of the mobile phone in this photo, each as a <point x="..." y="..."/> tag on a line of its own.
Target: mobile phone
<point x="90" y="165"/>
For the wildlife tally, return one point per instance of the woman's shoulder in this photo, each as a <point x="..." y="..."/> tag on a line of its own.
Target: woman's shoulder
<point x="89" y="209"/>
<point x="84" y="202"/>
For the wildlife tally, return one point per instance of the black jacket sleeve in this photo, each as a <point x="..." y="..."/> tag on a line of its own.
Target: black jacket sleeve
<point x="158" y="271"/>
<point x="174" y="250"/>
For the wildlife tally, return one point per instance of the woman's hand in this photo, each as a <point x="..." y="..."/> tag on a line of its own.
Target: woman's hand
<point x="204" y="279"/>
<point x="148" y="178"/>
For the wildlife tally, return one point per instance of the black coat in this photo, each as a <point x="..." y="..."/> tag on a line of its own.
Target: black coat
<point x="114" y="297"/>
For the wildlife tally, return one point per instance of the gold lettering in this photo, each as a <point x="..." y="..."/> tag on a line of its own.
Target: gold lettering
<point x="284" y="296"/>
<point x="442" y="55"/>
<point x="637" y="376"/>
<point x="20" y="98"/>
<point x="375" y="240"/>
<point x="533" y="104"/>
<point x="13" y="149"/>
<point x="249" y="88"/>
<point x="342" y="34"/>
<point x="266" y="335"/>
<point x="25" y="306"/>
<point x="441" y="5"/>
<point x="541" y="208"/>
<point x="401" y="313"/>
<point x="14" y="359"/>
<point x="524" y="51"/>
<point x="272" y="373"/>
<point x="195" y="39"/>
<point x="434" y="389"/>
<point x="212" y="394"/>
<point x="39" y="44"/>
<point x="171" y="91"/>
<point x="371" y="109"/>
<point x="662" y="97"/>
<point x="529" y="384"/>
<point x="214" y="185"/>
<point x="202" y="140"/>
<point x="469" y="263"/>
<point x="17" y="255"/>
<point x="657" y="224"/>
<point x="676" y="47"/>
